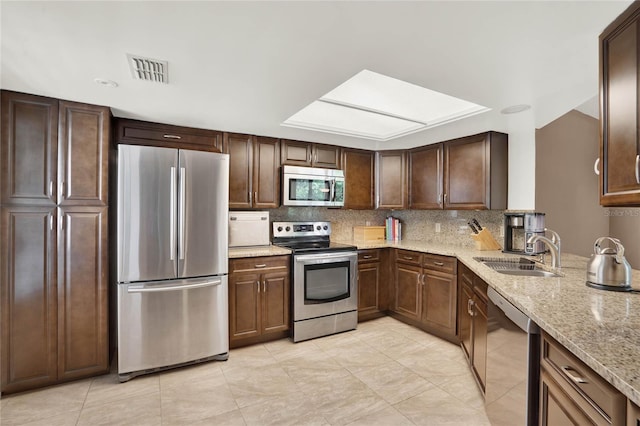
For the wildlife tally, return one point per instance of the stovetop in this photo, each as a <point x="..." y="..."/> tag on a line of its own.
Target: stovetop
<point x="303" y="237"/>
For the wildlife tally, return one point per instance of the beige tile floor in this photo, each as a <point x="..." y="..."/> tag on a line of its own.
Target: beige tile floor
<point x="383" y="373"/>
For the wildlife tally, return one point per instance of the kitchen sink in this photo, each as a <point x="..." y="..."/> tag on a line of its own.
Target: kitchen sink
<point x="516" y="266"/>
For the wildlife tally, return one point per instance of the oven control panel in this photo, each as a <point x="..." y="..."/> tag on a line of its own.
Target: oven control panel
<point x="301" y="229"/>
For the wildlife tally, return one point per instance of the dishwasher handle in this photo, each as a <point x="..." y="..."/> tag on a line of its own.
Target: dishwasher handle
<point x="513" y="313"/>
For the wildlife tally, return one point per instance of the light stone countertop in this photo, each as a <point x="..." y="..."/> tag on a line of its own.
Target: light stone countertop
<point x="602" y="328"/>
<point x="257" y="251"/>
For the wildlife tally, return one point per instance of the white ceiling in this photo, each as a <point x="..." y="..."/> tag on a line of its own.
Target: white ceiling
<point x="247" y="66"/>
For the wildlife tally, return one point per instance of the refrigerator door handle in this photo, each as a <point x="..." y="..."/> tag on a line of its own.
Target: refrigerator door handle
<point x="181" y="213"/>
<point x="171" y="287"/>
<point x="172" y="216"/>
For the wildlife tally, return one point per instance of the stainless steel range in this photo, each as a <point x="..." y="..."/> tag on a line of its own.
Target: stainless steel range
<point x="324" y="277"/>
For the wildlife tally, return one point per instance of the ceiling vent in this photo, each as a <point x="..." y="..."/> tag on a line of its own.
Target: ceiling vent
<point x="148" y="69"/>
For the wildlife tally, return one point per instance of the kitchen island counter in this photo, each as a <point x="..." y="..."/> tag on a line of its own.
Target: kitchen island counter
<point x="602" y="328"/>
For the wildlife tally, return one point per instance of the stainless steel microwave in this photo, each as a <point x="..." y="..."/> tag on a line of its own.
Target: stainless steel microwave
<point x="309" y="186"/>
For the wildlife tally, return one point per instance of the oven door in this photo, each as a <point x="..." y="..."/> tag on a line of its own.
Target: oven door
<point x="324" y="284"/>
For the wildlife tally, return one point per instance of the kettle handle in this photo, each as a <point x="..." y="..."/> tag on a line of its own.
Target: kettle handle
<point x="618" y="244"/>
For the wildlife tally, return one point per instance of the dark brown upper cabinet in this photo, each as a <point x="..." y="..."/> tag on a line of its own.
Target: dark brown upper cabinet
<point x="359" y="177"/>
<point x="425" y="177"/>
<point x="476" y="172"/>
<point x="254" y="177"/>
<point x="620" y="136"/>
<point x="391" y="180"/>
<point x="297" y="153"/>
<point x="135" y="132"/>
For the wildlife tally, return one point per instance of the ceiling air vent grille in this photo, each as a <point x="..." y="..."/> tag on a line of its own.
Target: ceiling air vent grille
<point x="149" y="69"/>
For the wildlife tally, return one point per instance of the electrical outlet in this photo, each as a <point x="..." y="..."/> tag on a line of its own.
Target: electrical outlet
<point x="437" y="227"/>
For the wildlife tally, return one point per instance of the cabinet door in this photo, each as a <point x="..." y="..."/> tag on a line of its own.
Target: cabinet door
<point x="82" y="292"/>
<point x="28" y="297"/>
<point x="425" y="177"/>
<point x="479" y="333"/>
<point x="556" y="407"/>
<point x="244" y="305"/>
<point x="275" y="301"/>
<point x="466" y="173"/>
<point x="326" y="156"/>
<point x="464" y="313"/>
<point x="368" y="287"/>
<point x="84" y="154"/>
<point x="240" y="150"/>
<point x="295" y="153"/>
<point x="359" y="177"/>
<point x="266" y="173"/>
<point x="134" y="132"/>
<point x="391" y="178"/>
<point x="633" y="414"/>
<point x="408" y="288"/>
<point x="439" y="302"/>
<point x="28" y="150"/>
<point x="620" y="179"/>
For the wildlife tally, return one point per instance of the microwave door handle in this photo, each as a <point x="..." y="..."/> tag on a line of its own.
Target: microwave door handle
<point x="332" y="190"/>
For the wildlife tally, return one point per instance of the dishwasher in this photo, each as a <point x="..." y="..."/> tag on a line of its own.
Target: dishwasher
<point x="513" y="364"/>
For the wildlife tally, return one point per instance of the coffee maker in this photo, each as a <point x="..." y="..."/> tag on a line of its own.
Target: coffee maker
<point x="518" y="228"/>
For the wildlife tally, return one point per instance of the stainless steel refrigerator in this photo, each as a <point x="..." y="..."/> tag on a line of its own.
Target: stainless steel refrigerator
<point x="172" y="254"/>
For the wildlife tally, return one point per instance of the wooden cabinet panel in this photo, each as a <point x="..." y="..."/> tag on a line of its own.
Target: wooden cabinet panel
<point x="82" y="292"/>
<point x="408" y="287"/>
<point x="368" y="287"/>
<point x="244" y="305"/>
<point x="28" y="149"/>
<point x="28" y="302"/>
<point x="84" y="154"/>
<point x="439" y="302"/>
<point x="465" y="288"/>
<point x="326" y="156"/>
<point x="633" y="414"/>
<point x="479" y="347"/>
<point x="240" y="150"/>
<point x="295" y="153"/>
<point x="556" y="407"/>
<point x="135" y="132"/>
<point x="620" y="150"/>
<point x="275" y="302"/>
<point x="475" y="172"/>
<point x="425" y="177"/>
<point x="266" y="173"/>
<point x="391" y="180"/>
<point x="359" y="176"/>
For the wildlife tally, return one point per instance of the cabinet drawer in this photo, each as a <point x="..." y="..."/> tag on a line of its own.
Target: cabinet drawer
<point x="259" y="263"/>
<point x="407" y="256"/>
<point x="439" y="263"/>
<point x="368" y="256"/>
<point x="154" y="134"/>
<point x="596" y="391"/>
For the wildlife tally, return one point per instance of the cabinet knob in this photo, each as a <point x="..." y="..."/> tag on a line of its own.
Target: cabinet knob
<point x="438" y="263"/>
<point x="262" y="265"/>
<point x="172" y="137"/>
<point x="367" y="256"/>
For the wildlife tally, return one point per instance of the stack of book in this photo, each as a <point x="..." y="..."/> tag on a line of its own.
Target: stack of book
<point x="393" y="229"/>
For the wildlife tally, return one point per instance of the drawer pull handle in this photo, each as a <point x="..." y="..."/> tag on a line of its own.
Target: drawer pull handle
<point x="407" y="257"/>
<point x="262" y="265"/>
<point x="438" y="263"/>
<point x="367" y="256"/>
<point x="172" y="137"/>
<point x="568" y="371"/>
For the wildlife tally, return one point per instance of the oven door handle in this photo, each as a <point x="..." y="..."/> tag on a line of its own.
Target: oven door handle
<point x="347" y="255"/>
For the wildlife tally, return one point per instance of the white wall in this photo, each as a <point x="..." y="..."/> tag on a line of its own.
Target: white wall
<point x="522" y="161"/>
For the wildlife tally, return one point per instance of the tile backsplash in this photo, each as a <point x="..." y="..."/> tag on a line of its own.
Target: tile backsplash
<point x="419" y="225"/>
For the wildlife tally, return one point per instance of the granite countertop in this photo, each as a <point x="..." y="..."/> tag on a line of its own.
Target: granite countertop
<point x="602" y="328"/>
<point x="257" y="251"/>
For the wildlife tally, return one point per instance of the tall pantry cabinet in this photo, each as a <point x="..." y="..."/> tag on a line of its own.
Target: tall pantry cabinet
<point x="53" y="234"/>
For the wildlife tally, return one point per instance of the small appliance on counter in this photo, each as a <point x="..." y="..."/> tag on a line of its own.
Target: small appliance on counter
<point x="518" y="228"/>
<point x="248" y="229"/>
<point x="608" y="269"/>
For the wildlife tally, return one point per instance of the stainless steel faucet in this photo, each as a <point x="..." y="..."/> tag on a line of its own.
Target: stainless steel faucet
<point x="554" y="245"/>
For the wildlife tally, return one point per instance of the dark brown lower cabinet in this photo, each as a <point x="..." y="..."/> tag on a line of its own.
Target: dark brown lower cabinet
<point x="472" y="322"/>
<point x="54" y="269"/>
<point x="372" y="289"/>
<point x="258" y="299"/>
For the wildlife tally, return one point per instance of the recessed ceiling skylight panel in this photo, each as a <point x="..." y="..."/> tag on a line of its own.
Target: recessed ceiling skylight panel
<point x="374" y="106"/>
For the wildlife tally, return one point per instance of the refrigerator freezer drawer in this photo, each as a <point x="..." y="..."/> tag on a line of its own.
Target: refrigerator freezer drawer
<point x="176" y="322"/>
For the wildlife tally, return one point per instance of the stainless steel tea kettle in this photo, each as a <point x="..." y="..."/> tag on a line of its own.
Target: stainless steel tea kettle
<point x="608" y="269"/>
